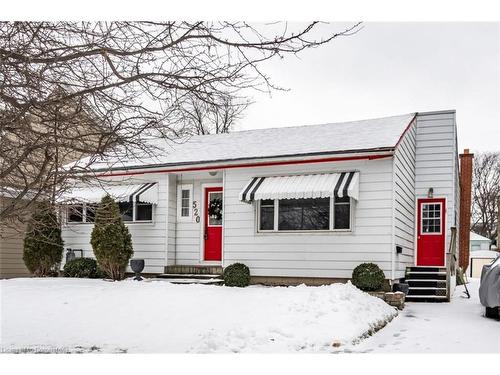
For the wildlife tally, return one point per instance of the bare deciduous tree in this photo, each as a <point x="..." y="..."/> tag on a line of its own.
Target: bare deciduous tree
<point x="486" y="193"/>
<point x="69" y="89"/>
<point x="201" y="118"/>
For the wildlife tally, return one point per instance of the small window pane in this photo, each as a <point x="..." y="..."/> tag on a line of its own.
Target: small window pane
<point x="267" y="214"/>
<point x="342" y="213"/>
<point x="75" y="214"/>
<point x="126" y="210"/>
<point x="185" y="198"/>
<point x="215" y="208"/>
<point x="90" y="213"/>
<point x="342" y="217"/>
<point x="304" y="214"/>
<point x="143" y="211"/>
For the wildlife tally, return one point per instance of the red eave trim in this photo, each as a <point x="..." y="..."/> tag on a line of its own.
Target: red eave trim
<point x="250" y="165"/>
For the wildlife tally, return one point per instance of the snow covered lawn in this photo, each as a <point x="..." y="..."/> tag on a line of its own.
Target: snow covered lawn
<point x="93" y="315"/>
<point x="456" y="327"/>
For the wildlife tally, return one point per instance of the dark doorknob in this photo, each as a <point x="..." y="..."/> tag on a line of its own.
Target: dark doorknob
<point x="205" y="236"/>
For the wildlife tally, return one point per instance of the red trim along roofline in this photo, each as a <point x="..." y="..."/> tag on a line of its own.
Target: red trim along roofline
<point x="250" y="165"/>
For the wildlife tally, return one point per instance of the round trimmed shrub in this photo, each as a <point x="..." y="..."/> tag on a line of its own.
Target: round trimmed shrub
<point x="237" y="274"/>
<point x="83" y="268"/>
<point x="368" y="277"/>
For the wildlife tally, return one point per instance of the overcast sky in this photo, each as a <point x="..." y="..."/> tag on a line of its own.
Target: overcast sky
<point x="389" y="69"/>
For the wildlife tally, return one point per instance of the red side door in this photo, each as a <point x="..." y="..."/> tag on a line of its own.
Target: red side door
<point x="213" y="224"/>
<point x="431" y="232"/>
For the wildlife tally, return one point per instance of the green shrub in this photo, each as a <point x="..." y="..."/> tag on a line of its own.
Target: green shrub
<point x="82" y="267"/>
<point x="111" y="240"/>
<point x="43" y="245"/>
<point x="368" y="276"/>
<point x="237" y="274"/>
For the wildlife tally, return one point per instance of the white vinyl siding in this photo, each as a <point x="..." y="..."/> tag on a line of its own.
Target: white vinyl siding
<point x="188" y="242"/>
<point x="436" y="162"/>
<point x="148" y="238"/>
<point x="172" y="219"/>
<point x="404" y="202"/>
<point x="321" y="254"/>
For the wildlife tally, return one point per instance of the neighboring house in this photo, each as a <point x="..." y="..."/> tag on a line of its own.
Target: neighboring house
<point x="298" y="204"/>
<point x="478" y="242"/>
<point x="11" y="245"/>
<point x="84" y="131"/>
<point x="480" y="254"/>
<point x="478" y="259"/>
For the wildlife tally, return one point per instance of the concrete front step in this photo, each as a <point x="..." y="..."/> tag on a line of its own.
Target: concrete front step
<point x="211" y="281"/>
<point x="197" y="270"/>
<point x="188" y="276"/>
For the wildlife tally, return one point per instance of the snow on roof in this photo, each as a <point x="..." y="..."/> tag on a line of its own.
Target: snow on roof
<point x="484" y="254"/>
<point x="363" y="135"/>
<point x="478" y="237"/>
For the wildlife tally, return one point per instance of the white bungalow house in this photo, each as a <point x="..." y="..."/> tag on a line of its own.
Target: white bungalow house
<point x="296" y="204"/>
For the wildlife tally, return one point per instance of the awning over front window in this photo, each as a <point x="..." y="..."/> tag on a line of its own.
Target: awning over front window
<point x="302" y="186"/>
<point x="147" y="193"/>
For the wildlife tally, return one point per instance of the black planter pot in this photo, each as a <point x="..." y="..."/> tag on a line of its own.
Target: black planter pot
<point x="137" y="266"/>
<point x="401" y="287"/>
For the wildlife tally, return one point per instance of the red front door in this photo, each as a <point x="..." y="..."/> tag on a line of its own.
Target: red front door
<point x="431" y="232"/>
<point x="213" y="224"/>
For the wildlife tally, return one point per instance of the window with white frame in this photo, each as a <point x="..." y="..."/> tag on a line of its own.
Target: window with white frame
<point x="81" y="213"/>
<point x="136" y="211"/>
<point x="313" y="214"/>
<point x="130" y="212"/>
<point x="185" y="202"/>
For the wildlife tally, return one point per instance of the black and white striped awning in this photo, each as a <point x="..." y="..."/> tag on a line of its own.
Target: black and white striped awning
<point x="344" y="184"/>
<point x="147" y="193"/>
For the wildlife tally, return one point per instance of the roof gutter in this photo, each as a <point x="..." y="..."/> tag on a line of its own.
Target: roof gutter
<point x="251" y="163"/>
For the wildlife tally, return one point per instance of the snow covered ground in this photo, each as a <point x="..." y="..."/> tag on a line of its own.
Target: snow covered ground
<point x="68" y="315"/>
<point x="456" y="327"/>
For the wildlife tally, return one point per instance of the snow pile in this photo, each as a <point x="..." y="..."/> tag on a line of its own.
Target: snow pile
<point x="158" y="316"/>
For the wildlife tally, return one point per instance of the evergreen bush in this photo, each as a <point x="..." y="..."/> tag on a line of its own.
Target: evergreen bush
<point x="43" y="245"/>
<point x="237" y="274"/>
<point x="83" y="268"/>
<point x="111" y="240"/>
<point x="368" y="277"/>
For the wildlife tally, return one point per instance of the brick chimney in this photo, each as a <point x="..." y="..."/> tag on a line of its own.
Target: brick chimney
<point x="465" y="208"/>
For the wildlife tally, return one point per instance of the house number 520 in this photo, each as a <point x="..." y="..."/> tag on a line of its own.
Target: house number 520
<point x="196" y="212"/>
